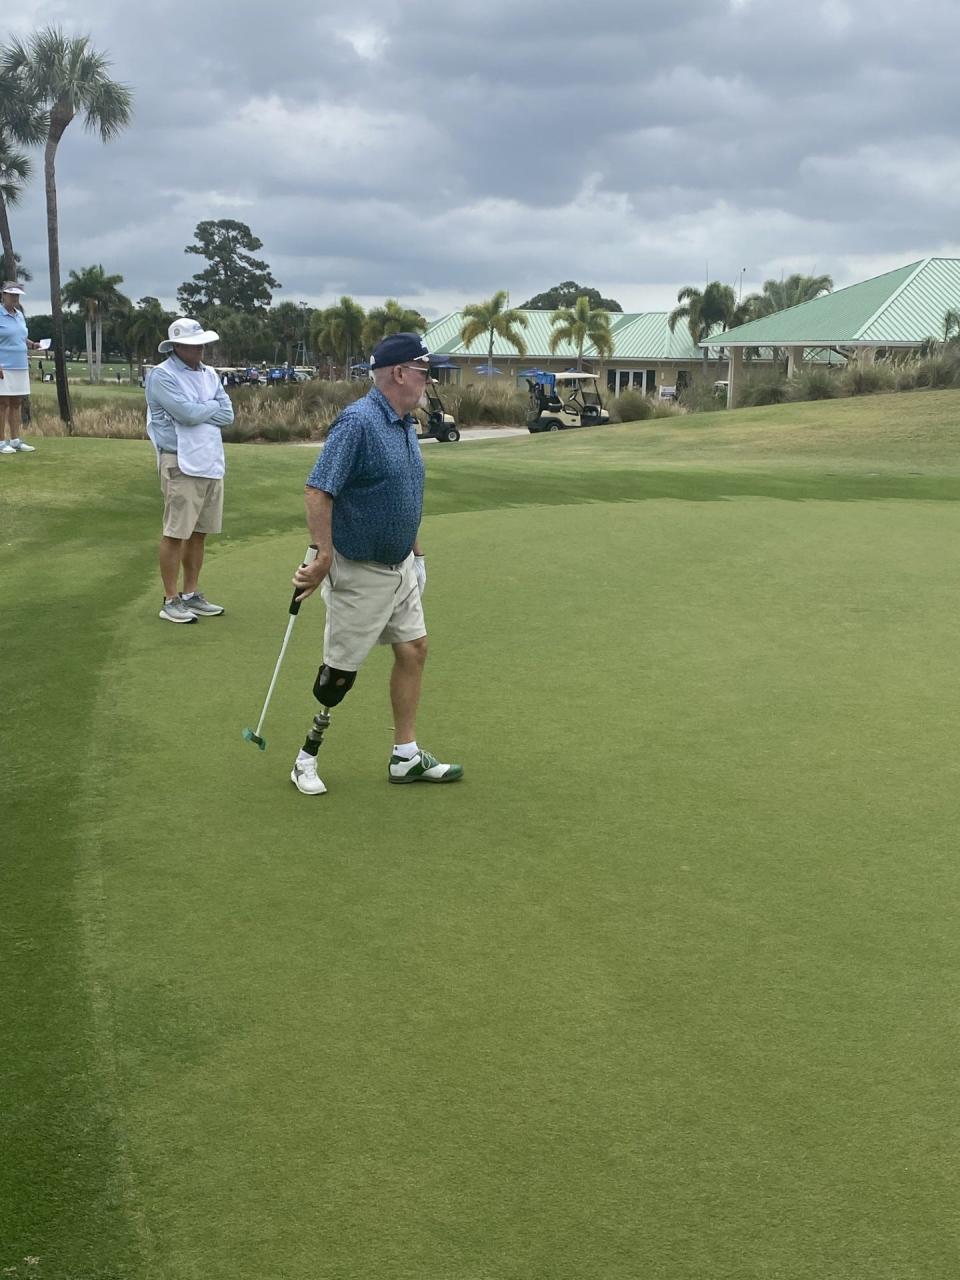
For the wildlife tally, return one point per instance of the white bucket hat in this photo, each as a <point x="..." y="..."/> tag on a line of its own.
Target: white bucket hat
<point x="189" y="333"/>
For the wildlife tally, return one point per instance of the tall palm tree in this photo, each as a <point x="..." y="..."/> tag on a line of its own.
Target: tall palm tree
<point x="68" y="77"/>
<point x="495" y="319"/>
<point x="15" y="171"/>
<point x="95" y="293"/>
<point x="392" y="317"/>
<point x="338" y="331"/>
<point x="580" y="324"/>
<point x="21" y="125"/>
<point x="20" y="272"/>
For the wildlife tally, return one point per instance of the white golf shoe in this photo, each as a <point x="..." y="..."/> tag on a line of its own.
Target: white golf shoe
<point x="304" y="777"/>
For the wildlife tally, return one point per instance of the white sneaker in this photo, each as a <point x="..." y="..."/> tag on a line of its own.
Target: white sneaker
<point x="304" y="776"/>
<point x="7" y="448"/>
<point x="19" y="446"/>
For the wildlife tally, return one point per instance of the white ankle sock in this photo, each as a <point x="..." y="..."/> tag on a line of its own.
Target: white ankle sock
<point x="406" y="750"/>
<point x="304" y="756"/>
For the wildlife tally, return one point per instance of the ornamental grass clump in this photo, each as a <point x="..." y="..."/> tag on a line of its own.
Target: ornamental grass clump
<point x="769" y="388"/>
<point x="868" y="379"/>
<point x="815" y="384"/>
<point x="474" y="406"/>
<point x="702" y="396"/>
<point x="630" y="406"/>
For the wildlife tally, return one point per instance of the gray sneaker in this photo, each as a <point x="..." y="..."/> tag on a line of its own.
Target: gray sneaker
<point x="173" y="611"/>
<point x="200" y="606"/>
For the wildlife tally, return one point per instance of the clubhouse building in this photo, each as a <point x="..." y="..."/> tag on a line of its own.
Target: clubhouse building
<point x="898" y="310"/>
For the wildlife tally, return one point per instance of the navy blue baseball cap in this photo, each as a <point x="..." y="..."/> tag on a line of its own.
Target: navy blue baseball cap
<point x="399" y="348"/>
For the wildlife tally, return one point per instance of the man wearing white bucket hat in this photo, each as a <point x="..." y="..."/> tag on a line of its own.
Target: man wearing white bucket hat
<point x="14" y="368"/>
<point x="186" y="408"/>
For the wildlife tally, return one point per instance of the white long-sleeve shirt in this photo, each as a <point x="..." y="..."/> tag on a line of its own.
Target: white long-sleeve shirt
<point x="169" y="408"/>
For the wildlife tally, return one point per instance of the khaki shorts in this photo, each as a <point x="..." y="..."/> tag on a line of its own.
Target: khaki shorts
<point x="368" y="604"/>
<point x="191" y="504"/>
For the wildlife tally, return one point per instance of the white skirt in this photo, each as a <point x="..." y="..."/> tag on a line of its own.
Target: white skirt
<point x="15" y="382"/>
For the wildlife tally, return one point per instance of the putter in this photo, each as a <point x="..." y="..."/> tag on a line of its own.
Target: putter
<point x="254" y="735"/>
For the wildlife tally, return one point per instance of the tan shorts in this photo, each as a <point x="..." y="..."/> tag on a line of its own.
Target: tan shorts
<point x="368" y="604"/>
<point x="191" y="504"/>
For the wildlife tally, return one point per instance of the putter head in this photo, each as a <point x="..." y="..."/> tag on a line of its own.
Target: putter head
<point x="250" y="736"/>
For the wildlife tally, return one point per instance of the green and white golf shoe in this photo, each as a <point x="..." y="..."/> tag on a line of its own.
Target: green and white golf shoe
<point x="423" y="768"/>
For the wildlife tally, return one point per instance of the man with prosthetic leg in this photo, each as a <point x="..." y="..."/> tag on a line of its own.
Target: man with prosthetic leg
<point x="364" y="499"/>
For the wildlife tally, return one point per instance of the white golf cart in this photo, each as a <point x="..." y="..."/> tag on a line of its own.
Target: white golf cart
<point x="440" y="425"/>
<point x="563" y="400"/>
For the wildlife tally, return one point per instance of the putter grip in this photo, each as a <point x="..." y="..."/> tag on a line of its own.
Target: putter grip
<point x="309" y="556"/>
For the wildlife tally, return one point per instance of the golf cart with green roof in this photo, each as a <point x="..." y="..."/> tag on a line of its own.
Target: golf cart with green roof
<point x="560" y="401"/>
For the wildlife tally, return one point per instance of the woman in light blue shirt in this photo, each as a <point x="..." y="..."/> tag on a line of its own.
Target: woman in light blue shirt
<point x="14" y="368"/>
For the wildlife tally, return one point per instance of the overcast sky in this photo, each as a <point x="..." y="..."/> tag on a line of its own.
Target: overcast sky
<point x="438" y="152"/>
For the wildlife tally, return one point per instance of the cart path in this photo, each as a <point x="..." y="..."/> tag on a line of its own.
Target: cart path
<point x="466" y="435"/>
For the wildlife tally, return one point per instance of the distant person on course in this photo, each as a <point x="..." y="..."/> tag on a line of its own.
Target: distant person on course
<point x="14" y="368"/>
<point x="364" y="500"/>
<point x="186" y="408"/>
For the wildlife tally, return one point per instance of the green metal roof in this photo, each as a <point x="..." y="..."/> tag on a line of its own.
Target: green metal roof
<point x="636" y="336"/>
<point x="900" y="307"/>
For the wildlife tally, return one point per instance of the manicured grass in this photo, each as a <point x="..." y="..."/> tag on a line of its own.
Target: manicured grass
<point x="662" y="989"/>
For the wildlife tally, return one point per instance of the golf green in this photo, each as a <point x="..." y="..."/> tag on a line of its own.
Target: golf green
<point x="664" y="988"/>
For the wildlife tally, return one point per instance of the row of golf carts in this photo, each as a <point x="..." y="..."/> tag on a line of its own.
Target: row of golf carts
<point x="558" y="402"/>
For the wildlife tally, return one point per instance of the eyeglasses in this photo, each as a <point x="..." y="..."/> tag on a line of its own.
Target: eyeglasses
<point x="419" y="368"/>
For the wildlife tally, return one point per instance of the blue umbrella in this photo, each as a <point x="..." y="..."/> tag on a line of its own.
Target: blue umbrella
<point x="532" y="373"/>
<point x="443" y="364"/>
<point x="485" y="369"/>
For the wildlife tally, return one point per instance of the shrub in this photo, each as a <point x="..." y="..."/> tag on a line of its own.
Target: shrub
<point x="815" y="384"/>
<point x="935" y="371"/>
<point x="867" y="379"/>
<point x="327" y="398"/>
<point x="768" y="388"/>
<point x="474" y="405"/>
<point x="701" y="396"/>
<point x="667" y="409"/>
<point x="630" y="406"/>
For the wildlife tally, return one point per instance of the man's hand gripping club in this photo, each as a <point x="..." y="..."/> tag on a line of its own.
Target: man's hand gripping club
<point x="319" y="521"/>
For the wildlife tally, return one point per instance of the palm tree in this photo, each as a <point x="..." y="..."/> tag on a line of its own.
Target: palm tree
<point x="288" y="322"/>
<point x="778" y="295"/>
<point x="94" y="292"/>
<point x="496" y="320"/>
<point x="21" y="124"/>
<point x="14" y="174"/>
<point x="951" y="326"/>
<point x="20" y="272"/>
<point x="147" y="328"/>
<point x="338" y="331"/>
<point x="704" y="311"/>
<point x="580" y="324"/>
<point x="392" y="317"/>
<point x="67" y="77"/>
